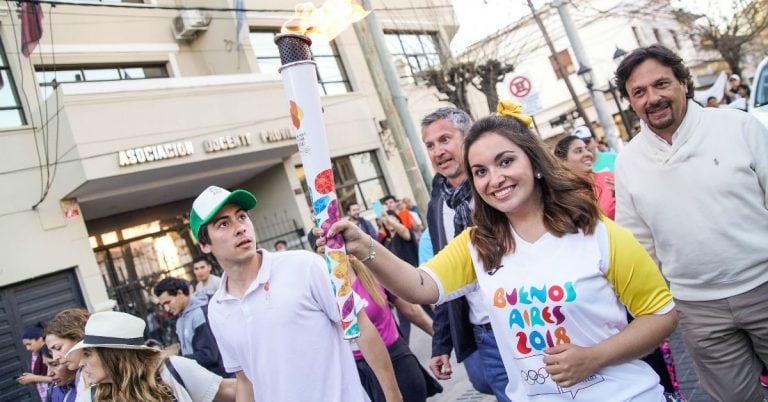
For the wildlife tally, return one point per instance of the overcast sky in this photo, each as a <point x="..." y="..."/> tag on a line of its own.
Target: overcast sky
<point x="479" y="18"/>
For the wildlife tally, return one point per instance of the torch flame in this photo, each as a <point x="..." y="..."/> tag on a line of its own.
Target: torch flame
<point x="329" y="20"/>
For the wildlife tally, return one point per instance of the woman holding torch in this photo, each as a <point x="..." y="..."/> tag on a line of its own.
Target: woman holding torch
<point x="556" y="276"/>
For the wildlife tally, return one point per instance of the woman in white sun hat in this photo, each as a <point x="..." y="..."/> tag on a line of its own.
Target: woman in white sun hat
<point x="121" y="368"/>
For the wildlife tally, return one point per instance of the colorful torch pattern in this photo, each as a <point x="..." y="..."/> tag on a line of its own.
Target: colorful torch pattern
<point x="300" y="79"/>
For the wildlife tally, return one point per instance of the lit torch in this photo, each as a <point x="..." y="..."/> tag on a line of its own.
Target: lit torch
<point x="300" y="79"/>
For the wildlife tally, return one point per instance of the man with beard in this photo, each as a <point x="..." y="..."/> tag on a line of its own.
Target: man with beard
<point x="463" y="324"/>
<point x="353" y="214"/>
<point x="697" y="201"/>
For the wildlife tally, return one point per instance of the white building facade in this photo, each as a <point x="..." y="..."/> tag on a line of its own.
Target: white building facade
<point x="123" y="114"/>
<point x="603" y="27"/>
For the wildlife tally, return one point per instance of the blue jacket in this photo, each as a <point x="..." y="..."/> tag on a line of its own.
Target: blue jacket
<point x="367" y="227"/>
<point x="451" y="323"/>
<point x="195" y="336"/>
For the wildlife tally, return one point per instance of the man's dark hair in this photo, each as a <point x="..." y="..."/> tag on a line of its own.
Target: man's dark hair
<point x="172" y="286"/>
<point x="660" y="54"/>
<point x="203" y="257"/>
<point x="387" y="198"/>
<point x="349" y="206"/>
<point x="746" y="88"/>
<point x="203" y="237"/>
<point x="45" y="352"/>
<point x="283" y="242"/>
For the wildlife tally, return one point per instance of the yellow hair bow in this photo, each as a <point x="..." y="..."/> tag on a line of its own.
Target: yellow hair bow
<point x="514" y="109"/>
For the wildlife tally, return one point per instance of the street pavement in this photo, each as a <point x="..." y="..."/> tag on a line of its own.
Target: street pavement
<point x="458" y="387"/>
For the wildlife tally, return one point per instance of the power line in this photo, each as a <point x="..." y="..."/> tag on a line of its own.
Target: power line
<point x="58" y="109"/>
<point x="139" y="6"/>
<point x="28" y="108"/>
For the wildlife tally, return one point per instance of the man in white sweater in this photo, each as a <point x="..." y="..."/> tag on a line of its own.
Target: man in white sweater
<point x="692" y="188"/>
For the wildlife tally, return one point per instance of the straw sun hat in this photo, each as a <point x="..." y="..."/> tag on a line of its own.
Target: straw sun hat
<point x="112" y="329"/>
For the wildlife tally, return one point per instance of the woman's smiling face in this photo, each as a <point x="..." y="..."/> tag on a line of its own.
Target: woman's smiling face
<point x="503" y="175"/>
<point x="579" y="160"/>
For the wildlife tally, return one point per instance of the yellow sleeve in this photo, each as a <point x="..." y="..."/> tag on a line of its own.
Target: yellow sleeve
<point x="634" y="276"/>
<point x="453" y="264"/>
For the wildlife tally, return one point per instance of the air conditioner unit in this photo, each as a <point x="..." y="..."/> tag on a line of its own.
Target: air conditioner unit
<point x="188" y="23"/>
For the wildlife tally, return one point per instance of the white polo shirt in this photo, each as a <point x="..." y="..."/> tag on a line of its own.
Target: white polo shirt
<point x="285" y="333"/>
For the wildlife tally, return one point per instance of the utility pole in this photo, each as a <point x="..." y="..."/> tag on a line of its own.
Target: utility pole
<point x="560" y="67"/>
<point x="598" y="100"/>
<point x="377" y="57"/>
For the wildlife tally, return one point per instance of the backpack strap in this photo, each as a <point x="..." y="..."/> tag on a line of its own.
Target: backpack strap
<point x="205" y="313"/>
<point x="174" y="373"/>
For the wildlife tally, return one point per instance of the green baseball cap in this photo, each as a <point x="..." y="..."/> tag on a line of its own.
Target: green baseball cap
<point x="210" y="201"/>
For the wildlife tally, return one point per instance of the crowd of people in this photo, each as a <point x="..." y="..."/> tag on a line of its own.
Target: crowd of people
<point x="551" y="274"/>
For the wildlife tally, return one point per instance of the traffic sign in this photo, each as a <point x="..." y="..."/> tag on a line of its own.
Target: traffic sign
<point x="520" y="86"/>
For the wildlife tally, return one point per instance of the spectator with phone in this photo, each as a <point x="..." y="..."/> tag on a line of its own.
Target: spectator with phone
<point x="32" y="338"/>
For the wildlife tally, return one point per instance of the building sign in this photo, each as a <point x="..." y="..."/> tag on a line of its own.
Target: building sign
<point x="520" y="86"/>
<point x="522" y="89"/>
<point x="70" y="209"/>
<point x="277" y="135"/>
<point x="565" y="61"/>
<point x="227" y="142"/>
<point x="154" y="153"/>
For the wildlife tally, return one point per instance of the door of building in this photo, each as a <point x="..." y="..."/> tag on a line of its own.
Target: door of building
<point x="22" y="305"/>
<point x="139" y="257"/>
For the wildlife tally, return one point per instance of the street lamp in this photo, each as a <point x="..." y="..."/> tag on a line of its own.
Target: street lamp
<point x="585" y="73"/>
<point x="588" y="76"/>
<point x="618" y="56"/>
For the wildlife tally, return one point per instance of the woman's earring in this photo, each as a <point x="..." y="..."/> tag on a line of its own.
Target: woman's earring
<point x="538" y="175"/>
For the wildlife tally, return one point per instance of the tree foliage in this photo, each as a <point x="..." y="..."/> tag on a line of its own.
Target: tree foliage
<point x="452" y="82"/>
<point x="488" y="75"/>
<point x="730" y="35"/>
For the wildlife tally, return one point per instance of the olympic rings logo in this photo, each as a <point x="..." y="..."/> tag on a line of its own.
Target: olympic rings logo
<point x="533" y="377"/>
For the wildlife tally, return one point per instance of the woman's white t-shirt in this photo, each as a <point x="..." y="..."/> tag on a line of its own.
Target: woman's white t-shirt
<point x="571" y="289"/>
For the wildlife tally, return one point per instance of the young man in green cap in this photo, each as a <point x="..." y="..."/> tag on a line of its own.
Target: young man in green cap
<point x="275" y="316"/>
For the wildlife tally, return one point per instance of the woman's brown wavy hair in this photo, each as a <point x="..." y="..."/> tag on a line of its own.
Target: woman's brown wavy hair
<point x="134" y="375"/>
<point x="68" y="324"/>
<point x="568" y="201"/>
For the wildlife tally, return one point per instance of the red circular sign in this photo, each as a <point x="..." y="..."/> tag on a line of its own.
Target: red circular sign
<point x="520" y="86"/>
